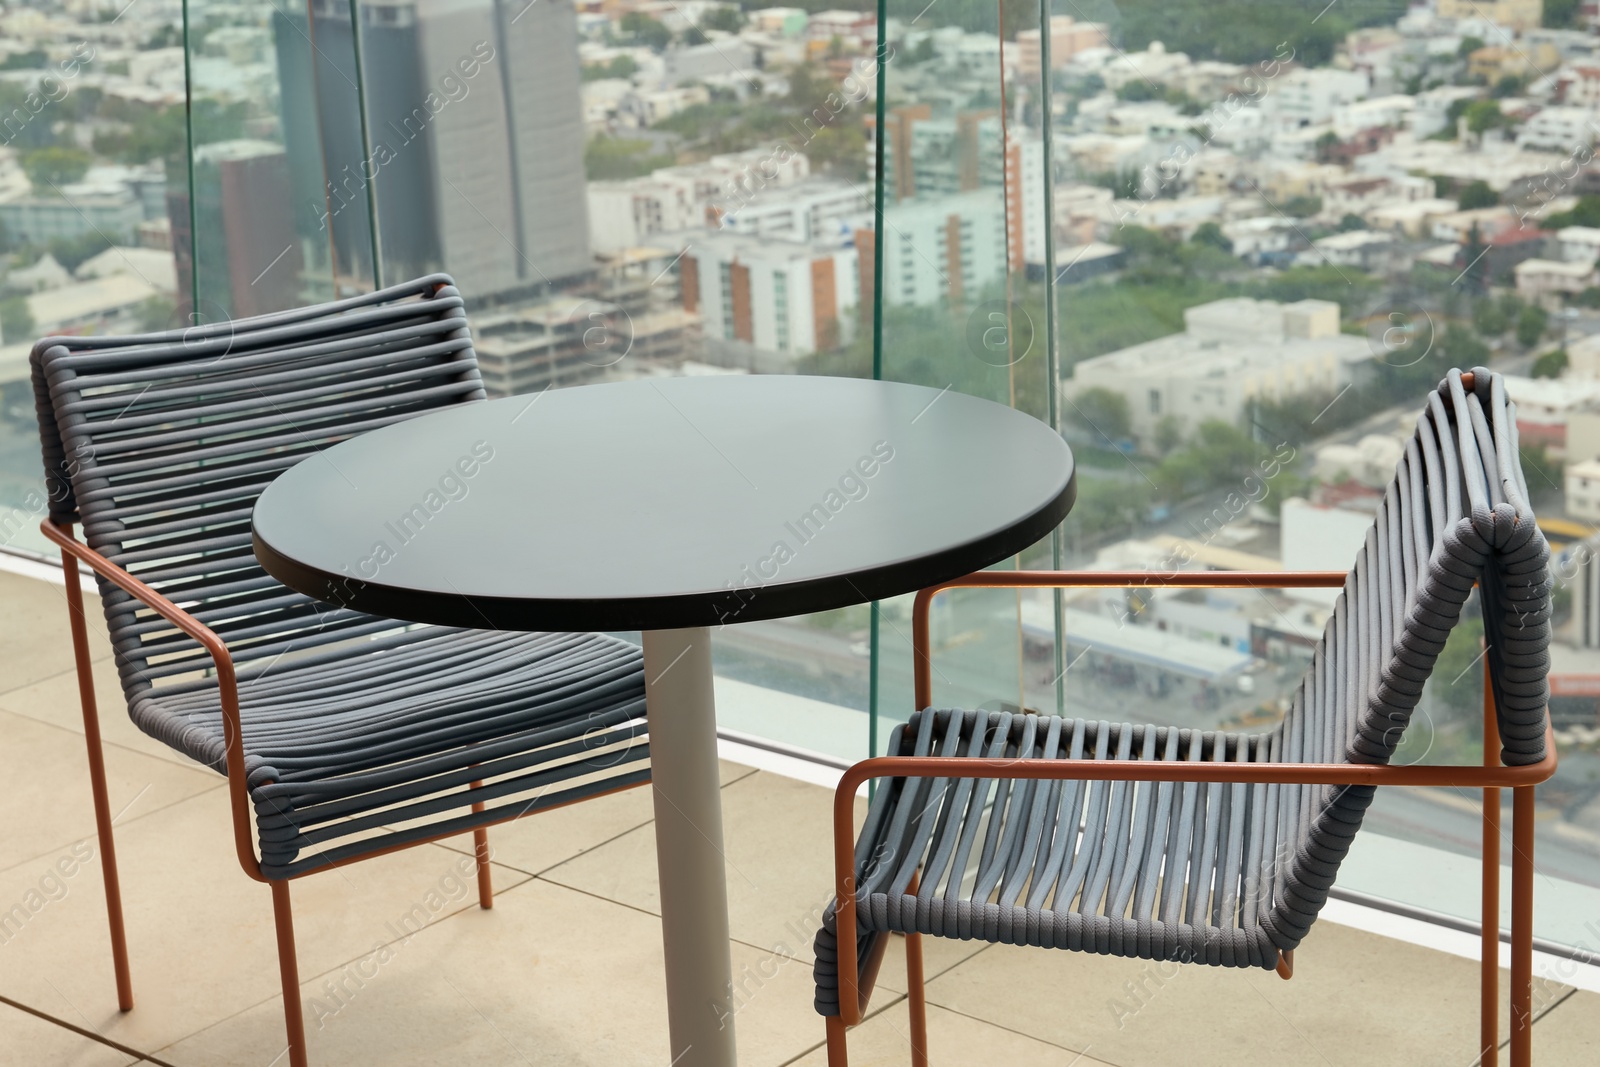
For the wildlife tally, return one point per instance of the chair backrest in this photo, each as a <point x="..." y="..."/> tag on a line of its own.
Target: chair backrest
<point x="1456" y="513"/>
<point x="159" y="445"/>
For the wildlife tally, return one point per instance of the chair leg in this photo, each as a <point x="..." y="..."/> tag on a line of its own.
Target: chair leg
<point x="1522" y="926"/>
<point x="480" y="848"/>
<point x="97" y="783"/>
<point x="916" y="1000"/>
<point x="480" y="841"/>
<point x="289" y="969"/>
<point x="837" y="1056"/>
<point x="1489" y="965"/>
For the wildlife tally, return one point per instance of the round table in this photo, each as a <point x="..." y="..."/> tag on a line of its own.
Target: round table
<point x="668" y="506"/>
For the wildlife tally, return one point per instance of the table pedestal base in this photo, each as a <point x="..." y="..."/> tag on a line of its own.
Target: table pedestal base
<point x="689" y="857"/>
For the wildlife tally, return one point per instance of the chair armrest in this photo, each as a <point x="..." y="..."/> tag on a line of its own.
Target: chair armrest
<point x="850" y="1009"/>
<point x="922" y="662"/>
<point x="227" y="680"/>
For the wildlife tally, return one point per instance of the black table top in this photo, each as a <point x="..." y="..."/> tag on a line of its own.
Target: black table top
<point x="665" y="503"/>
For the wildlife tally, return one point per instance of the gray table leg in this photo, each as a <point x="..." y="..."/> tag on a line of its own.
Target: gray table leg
<point x="689" y="857"/>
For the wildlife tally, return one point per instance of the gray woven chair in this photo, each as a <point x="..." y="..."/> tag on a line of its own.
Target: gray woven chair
<point x="1207" y="847"/>
<point x="342" y="735"/>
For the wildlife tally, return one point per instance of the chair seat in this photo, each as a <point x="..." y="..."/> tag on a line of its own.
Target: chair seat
<point x="1187" y="872"/>
<point x="381" y="737"/>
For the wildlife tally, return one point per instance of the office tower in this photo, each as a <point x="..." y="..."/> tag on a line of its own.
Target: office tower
<point x="475" y="131"/>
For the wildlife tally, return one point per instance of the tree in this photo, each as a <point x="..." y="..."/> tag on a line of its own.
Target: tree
<point x="1551" y="364"/>
<point x="1483" y="115"/>
<point x="1102" y="412"/>
<point x="33" y="59"/>
<point x="728" y="19"/>
<point x="1211" y="235"/>
<point x="1531" y="325"/>
<point x="1560" y="14"/>
<point x="1454" y="681"/>
<point x="1168" y="434"/>
<point x="16" y="320"/>
<point x="607" y="158"/>
<point x="1468" y="46"/>
<point x="1460" y="348"/>
<point x="156" y="314"/>
<point x="1352" y="222"/>
<point x="1301" y="207"/>
<point x="620" y="67"/>
<point x="50" y="168"/>
<point x="1325" y="146"/>
<point x="1585" y="213"/>
<point x="646" y="30"/>
<point x="72" y="251"/>
<point x="1489" y="319"/>
<point x="1476" y="194"/>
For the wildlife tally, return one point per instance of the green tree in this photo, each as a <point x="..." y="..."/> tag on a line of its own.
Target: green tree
<point x="1461" y="348"/>
<point x="50" y="168"/>
<point x="1210" y="235"/>
<point x="1457" y="674"/>
<point x="728" y="19"/>
<point x="1301" y="207"/>
<point x="1477" y="194"/>
<point x="1352" y="222"/>
<point x="646" y="30"/>
<point x="1560" y="14"/>
<point x="1168" y="434"/>
<point x="1489" y="319"/>
<point x="1325" y="145"/>
<point x="1103" y="412"/>
<point x="1585" y="213"/>
<point x="70" y="252"/>
<point x="1468" y="46"/>
<point x="1483" y="115"/>
<point x="1531" y="325"/>
<point x="1551" y="364"/>
<point x="616" y="158"/>
<point x="620" y="67"/>
<point x="16" y="320"/>
<point x="33" y="59"/>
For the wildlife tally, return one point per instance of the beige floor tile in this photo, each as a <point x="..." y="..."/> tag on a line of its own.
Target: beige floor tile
<point x="884" y="1040"/>
<point x="34" y="632"/>
<point x="550" y="977"/>
<point x="55" y="700"/>
<point x="778" y="835"/>
<point x="1568" y="1034"/>
<point x="1412" y="1006"/>
<point x="542" y="841"/>
<point x="201" y="936"/>
<point x="46" y="805"/>
<point x="29" y="1041"/>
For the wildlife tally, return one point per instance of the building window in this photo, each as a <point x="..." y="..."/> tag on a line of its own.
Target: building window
<point x="780" y="309"/>
<point x="1155" y="401"/>
<point x="726" y="272"/>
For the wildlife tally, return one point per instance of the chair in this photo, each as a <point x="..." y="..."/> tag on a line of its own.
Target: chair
<point x="342" y="735"/>
<point x="1212" y="847"/>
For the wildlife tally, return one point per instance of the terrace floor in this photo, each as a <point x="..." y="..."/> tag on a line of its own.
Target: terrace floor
<point x="401" y="967"/>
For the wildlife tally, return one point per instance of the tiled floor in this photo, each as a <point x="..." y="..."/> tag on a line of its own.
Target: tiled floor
<point x="400" y="967"/>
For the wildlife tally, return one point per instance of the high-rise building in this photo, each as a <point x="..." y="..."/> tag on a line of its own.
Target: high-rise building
<point x="475" y="127"/>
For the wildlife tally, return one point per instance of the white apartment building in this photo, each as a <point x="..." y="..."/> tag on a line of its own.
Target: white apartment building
<point x="1311" y="96"/>
<point x="1546" y="281"/>
<point x="790" y="298"/>
<point x="626" y="214"/>
<point x="1365" y="250"/>
<point x="944" y="248"/>
<point x="1579" y="244"/>
<point x="1231" y="351"/>
<point x="1559" y="129"/>
<point x="813" y="210"/>
<point x="1583" y="490"/>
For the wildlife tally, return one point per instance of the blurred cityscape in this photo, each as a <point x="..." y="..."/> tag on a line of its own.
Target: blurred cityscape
<point x="1259" y="233"/>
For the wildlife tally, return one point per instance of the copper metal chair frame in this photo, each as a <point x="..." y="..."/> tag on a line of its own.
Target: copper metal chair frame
<point x="74" y="551"/>
<point x="855" y="983"/>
